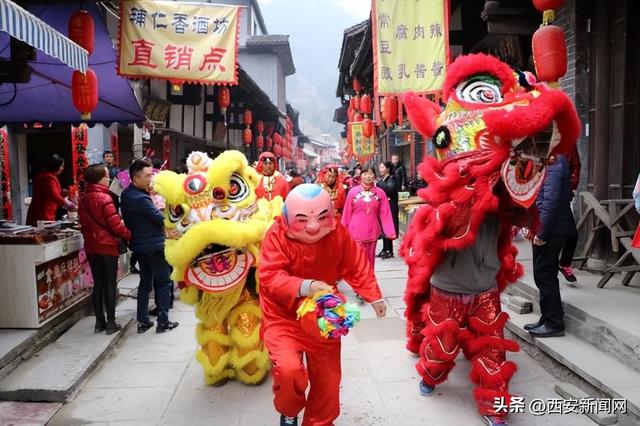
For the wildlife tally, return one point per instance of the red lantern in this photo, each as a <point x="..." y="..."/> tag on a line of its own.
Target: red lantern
<point x="356" y="102"/>
<point x="260" y="126"/>
<point x="549" y="53"/>
<point x="543" y="5"/>
<point x="390" y="110"/>
<point x="367" y="128"/>
<point x="350" y="114"/>
<point x="358" y="117"/>
<point x="260" y="141"/>
<point x="269" y="142"/>
<point x="84" y="90"/>
<point x="247" y="117"/>
<point x="81" y="30"/>
<point x="356" y="85"/>
<point x="224" y="99"/>
<point x="247" y="136"/>
<point x="365" y="104"/>
<point x="277" y="139"/>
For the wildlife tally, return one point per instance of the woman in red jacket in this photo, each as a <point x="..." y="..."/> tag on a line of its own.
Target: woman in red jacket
<point x="47" y="193"/>
<point x="101" y="227"/>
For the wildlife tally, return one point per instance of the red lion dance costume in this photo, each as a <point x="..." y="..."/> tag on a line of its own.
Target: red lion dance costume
<point x="491" y="115"/>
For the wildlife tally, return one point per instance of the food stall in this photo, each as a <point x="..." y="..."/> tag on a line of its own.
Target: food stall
<point x="408" y="206"/>
<point x="44" y="273"/>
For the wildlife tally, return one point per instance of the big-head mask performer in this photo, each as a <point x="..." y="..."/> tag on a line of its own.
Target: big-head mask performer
<point x="294" y="265"/>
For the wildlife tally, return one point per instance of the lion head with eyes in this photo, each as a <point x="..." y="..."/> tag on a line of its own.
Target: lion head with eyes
<point x="215" y="220"/>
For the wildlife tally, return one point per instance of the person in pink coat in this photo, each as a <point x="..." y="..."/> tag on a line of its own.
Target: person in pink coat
<point x="365" y="210"/>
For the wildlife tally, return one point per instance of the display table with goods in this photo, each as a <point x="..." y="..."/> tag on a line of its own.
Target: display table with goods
<point x="44" y="273"/>
<point x="408" y="206"/>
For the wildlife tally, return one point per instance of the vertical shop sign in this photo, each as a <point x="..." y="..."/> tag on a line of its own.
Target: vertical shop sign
<point x="410" y="45"/>
<point x="5" y="180"/>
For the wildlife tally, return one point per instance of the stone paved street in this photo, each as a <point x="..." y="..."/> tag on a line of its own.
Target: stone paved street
<point x="154" y="379"/>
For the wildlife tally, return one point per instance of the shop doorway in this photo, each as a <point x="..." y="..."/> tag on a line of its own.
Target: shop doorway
<point x="41" y="146"/>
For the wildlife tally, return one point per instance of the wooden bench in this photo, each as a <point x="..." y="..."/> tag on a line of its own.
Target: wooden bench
<point x="633" y="254"/>
<point x="603" y="215"/>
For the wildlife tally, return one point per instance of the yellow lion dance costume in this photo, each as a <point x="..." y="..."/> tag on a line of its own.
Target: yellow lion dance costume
<point x="216" y="223"/>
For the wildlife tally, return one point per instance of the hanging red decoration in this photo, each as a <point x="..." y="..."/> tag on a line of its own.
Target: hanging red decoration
<point x="81" y="30"/>
<point x="367" y="128"/>
<point x="260" y="141"/>
<point x="277" y="139"/>
<point x="224" y="99"/>
<point x="365" y="104"/>
<point x="356" y="102"/>
<point x="5" y="181"/>
<point x="356" y="85"/>
<point x="247" y="135"/>
<point x="247" y="117"/>
<point x="269" y="142"/>
<point x="390" y="110"/>
<point x="357" y="118"/>
<point x="350" y="114"/>
<point x="84" y="91"/>
<point x="543" y="5"/>
<point x="260" y="126"/>
<point x="549" y="53"/>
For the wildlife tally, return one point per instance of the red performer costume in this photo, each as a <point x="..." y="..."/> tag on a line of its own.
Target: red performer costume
<point x="272" y="182"/>
<point x="458" y="245"/>
<point x="331" y="181"/>
<point x="293" y="264"/>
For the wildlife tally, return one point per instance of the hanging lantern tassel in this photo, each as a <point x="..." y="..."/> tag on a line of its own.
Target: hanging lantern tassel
<point x="84" y="90"/>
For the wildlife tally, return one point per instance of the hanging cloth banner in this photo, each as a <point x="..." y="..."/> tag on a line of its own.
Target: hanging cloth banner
<point x="410" y="45"/>
<point x="5" y="181"/>
<point x="179" y="42"/>
<point x="79" y="142"/>
<point x="363" y="148"/>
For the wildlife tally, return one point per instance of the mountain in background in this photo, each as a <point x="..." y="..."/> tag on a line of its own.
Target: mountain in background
<point x="315" y="28"/>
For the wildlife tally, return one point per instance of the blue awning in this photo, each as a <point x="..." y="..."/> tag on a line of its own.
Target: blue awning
<point x="24" y="26"/>
<point x="47" y="97"/>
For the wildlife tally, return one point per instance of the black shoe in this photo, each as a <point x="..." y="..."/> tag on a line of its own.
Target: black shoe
<point x="154" y="312"/>
<point x="134" y="270"/>
<point x="100" y="327"/>
<point x="167" y="326"/>
<point x="533" y="325"/>
<point x="144" y="326"/>
<point x="381" y="254"/>
<point x="288" y="421"/>
<point x="113" y="327"/>
<point x="546" y="331"/>
<point x="387" y="255"/>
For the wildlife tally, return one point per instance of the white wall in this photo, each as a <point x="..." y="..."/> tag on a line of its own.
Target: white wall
<point x="263" y="69"/>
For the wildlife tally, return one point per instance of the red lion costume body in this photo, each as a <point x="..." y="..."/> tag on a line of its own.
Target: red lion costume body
<point x="491" y="115"/>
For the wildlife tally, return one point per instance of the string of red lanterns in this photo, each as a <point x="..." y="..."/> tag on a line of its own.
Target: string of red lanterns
<point x="84" y="86"/>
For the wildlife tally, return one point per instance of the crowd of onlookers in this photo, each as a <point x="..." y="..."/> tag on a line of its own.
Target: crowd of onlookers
<point x="118" y="213"/>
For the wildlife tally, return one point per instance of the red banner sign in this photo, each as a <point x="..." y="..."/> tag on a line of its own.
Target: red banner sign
<point x="5" y="180"/>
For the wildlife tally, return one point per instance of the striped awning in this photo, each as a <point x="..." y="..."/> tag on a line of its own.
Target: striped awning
<point x="24" y="26"/>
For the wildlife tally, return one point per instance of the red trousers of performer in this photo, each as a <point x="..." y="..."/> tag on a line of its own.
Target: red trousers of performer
<point x="287" y="343"/>
<point x="369" y="249"/>
<point x="473" y="323"/>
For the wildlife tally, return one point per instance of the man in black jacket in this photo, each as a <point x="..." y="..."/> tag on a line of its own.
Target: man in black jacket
<point x="398" y="170"/>
<point x="556" y="220"/>
<point x="146" y="224"/>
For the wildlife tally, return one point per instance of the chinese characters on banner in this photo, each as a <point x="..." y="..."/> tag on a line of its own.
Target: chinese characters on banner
<point x="363" y="148"/>
<point x="79" y="142"/>
<point x="5" y="181"/>
<point x="179" y="42"/>
<point x="410" y="45"/>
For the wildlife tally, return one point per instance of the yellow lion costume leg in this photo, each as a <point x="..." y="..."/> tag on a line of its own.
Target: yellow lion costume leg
<point x="248" y="356"/>
<point x="212" y="333"/>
